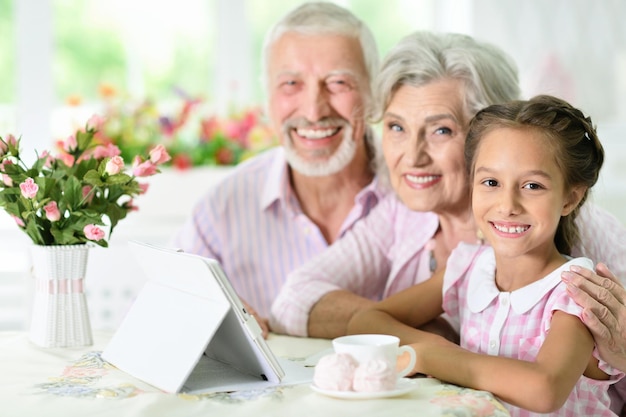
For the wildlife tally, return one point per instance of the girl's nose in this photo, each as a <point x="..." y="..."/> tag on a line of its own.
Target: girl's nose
<point x="509" y="201"/>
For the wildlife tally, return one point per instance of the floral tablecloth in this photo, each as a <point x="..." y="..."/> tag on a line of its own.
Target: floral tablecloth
<point x="77" y="382"/>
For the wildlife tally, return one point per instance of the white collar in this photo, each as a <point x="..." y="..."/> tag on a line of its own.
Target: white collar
<point x="482" y="288"/>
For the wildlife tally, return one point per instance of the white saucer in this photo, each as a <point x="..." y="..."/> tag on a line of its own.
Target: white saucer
<point x="403" y="386"/>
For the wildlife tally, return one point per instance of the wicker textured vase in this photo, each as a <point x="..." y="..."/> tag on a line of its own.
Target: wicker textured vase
<point x="60" y="317"/>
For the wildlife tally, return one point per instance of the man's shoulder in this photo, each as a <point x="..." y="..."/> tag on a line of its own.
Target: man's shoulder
<point x="261" y="163"/>
<point x="598" y="226"/>
<point x="591" y="214"/>
<point x="245" y="182"/>
<point x="602" y="238"/>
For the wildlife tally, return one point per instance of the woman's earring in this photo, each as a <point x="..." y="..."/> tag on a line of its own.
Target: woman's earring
<point x="480" y="237"/>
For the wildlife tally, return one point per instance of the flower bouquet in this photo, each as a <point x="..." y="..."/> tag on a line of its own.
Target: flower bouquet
<point x="63" y="203"/>
<point x="67" y="199"/>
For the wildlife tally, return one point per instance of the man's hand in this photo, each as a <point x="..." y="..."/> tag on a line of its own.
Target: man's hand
<point x="604" y="301"/>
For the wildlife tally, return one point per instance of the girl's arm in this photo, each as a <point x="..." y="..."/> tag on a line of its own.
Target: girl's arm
<point x="540" y="386"/>
<point x="401" y="313"/>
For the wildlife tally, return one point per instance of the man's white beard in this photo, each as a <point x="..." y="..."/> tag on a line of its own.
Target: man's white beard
<point x="334" y="164"/>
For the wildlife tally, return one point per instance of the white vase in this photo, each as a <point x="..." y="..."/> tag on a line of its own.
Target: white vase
<point x="60" y="317"/>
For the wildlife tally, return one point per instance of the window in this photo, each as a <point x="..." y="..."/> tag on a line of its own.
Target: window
<point x="7" y="70"/>
<point x="139" y="47"/>
<point x="152" y="48"/>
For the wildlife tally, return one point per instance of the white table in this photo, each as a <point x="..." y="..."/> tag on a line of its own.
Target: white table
<point x="69" y="382"/>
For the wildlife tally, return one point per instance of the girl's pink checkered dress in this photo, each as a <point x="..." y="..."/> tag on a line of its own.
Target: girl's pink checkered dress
<point x="515" y="324"/>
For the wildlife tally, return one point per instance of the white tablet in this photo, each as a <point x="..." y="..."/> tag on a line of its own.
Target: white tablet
<point x="188" y="331"/>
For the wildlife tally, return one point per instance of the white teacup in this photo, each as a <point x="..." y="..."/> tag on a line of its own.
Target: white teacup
<point x="367" y="347"/>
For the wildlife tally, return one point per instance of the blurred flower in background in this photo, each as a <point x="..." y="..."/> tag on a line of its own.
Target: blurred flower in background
<point x="188" y="129"/>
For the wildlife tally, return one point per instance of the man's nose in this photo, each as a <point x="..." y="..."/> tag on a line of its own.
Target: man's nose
<point x="315" y="103"/>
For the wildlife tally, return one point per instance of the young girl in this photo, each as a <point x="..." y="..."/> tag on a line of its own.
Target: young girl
<point x="530" y="166"/>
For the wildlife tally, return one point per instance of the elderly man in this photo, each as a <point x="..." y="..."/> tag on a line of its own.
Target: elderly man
<point x="281" y="208"/>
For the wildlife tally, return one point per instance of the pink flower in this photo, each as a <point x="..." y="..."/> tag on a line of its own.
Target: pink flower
<point x="52" y="211"/>
<point x="95" y="122"/>
<point x="239" y="129"/>
<point x="49" y="159"/>
<point x="143" y="169"/>
<point x="234" y="129"/>
<point x="5" y="178"/>
<point x="70" y="144"/>
<point x="93" y="232"/>
<point x="106" y="151"/>
<point x="158" y="155"/>
<point x="210" y="127"/>
<point x="87" y="193"/>
<point x="144" y="187"/>
<point x="19" y="221"/>
<point x="115" y="165"/>
<point x="224" y="156"/>
<point x="130" y="205"/>
<point x="67" y="159"/>
<point x="182" y="162"/>
<point x="4" y="144"/>
<point x="29" y="188"/>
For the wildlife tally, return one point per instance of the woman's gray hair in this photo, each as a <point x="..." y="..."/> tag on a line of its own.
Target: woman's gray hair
<point x="320" y="18"/>
<point x="490" y="76"/>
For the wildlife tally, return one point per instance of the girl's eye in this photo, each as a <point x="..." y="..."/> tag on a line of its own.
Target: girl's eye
<point x="533" y="186"/>
<point x="490" y="183"/>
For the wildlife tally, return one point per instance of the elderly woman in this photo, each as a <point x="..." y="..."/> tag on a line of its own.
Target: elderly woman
<point x="429" y="88"/>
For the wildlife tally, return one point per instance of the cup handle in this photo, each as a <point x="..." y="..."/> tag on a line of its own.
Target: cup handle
<point x="413" y="358"/>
